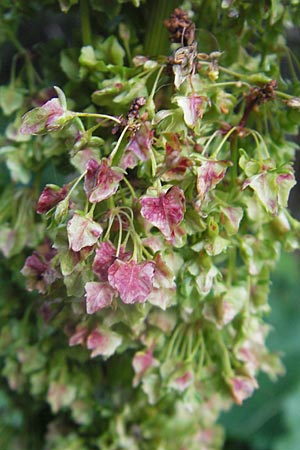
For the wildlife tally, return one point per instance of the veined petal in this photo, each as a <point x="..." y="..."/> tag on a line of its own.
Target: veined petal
<point x="98" y="296"/>
<point x="132" y="280"/>
<point x="166" y="211"/>
<point x="101" y="180"/>
<point x="82" y="232"/>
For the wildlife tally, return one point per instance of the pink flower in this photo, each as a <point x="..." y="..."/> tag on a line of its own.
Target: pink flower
<point x="166" y="211"/>
<point x="79" y="336"/>
<point x="182" y="382"/>
<point x="164" y="285"/>
<point x="210" y="173"/>
<point x="192" y="107"/>
<point x="105" y="257"/>
<point x="38" y="269"/>
<point x="138" y="147"/>
<point x="98" y="296"/>
<point x="49" y="117"/>
<point x="101" y="180"/>
<point x="103" y="342"/>
<point x="141" y="362"/>
<point x="82" y="232"/>
<point x="241" y="387"/>
<point x="132" y="280"/>
<point x="50" y="197"/>
<point x="175" y="163"/>
<point x="60" y="395"/>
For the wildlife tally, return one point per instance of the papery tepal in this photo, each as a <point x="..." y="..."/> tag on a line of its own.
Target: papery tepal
<point x="132" y="280"/>
<point x="50" y="197"/>
<point x="101" y="180"/>
<point x="103" y="341"/>
<point x="82" y="232"/>
<point x="38" y="269"/>
<point x="209" y="174"/>
<point x="52" y="116"/>
<point x="98" y="296"/>
<point x="165" y="211"/>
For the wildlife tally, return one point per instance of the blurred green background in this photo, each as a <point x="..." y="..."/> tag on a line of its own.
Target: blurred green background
<point x="270" y="419"/>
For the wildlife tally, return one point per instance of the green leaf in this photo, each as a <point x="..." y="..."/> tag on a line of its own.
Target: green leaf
<point x="11" y="99"/>
<point x="65" y="5"/>
<point x="68" y="63"/>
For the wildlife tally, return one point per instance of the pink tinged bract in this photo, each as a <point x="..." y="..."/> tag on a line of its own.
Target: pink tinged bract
<point x="141" y="362"/>
<point x="285" y="182"/>
<point x="182" y="382"/>
<point x="241" y="387"/>
<point x="60" y="395"/>
<point x="49" y="117"/>
<point x="79" y="336"/>
<point x="101" y="180"/>
<point x="38" y="269"/>
<point x="50" y="197"/>
<point x="132" y="280"/>
<point x="265" y="186"/>
<point x="209" y="174"/>
<point x="175" y="163"/>
<point x="82" y="232"/>
<point x="164" y="286"/>
<point x="104" y="258"/>
<point x="98" y="296"/>
<point x="140" y="143"/>
<point x="103" y="341"/>
<point x="192" y="107"/>
<point x="166" y="211"/>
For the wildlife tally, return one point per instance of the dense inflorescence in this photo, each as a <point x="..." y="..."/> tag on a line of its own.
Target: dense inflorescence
<point x="153" y="255"/>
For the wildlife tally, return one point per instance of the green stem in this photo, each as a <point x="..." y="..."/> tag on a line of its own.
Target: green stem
<point x="151" y="96"/>
<point x="234" y="168"/>
<point x="130" y="188"/>
<point x="97" y="116"/>
<point x="85" y="22"/>
<point x="115" y="150"/>
<point x="284" y="95"/>
<point x="237" y="84"/>
<point x="223" y="353"/>
<point x="227" y="135"/>
<point x="76" y="184"/>
<point x="120" y="235"/>
<point x="231" y="274"/>
<point x="156" y="38"/>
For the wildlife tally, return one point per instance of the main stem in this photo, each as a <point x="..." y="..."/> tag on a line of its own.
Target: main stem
<point x="85" y="22"/>
<point x="156" y="38"/>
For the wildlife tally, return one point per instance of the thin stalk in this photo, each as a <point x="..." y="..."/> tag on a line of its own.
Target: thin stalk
<point x="151" y="96"/>
<point x="237" y="84"/>
<point x="234" y="159"/>
<point x="76" y="184"/>
<point x="130" y="188"/>
<point x="115" y="150"/>
<point x="120" y="235"/>
<point x="97" y="116"/>
<point x="223" y="353"/>
<point x="91" y="211"/>
<point x="153" y="162"/>
<point x="226" y="137"/>
<point x="110" y="223"/>
<point x="215" y="133"/>
<point x="231" y="274"/>
<point x="258" y="138"/>
<point x="85" y="23"/>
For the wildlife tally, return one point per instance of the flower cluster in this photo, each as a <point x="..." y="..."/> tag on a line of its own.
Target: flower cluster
<point x="161" y="239"/>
